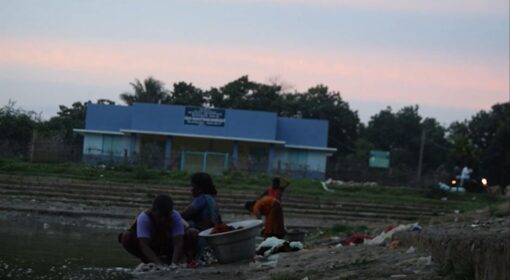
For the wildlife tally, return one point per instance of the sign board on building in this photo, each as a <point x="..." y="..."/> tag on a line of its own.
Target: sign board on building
<point x="379" y="159"/>
<point x="204" y="116"/>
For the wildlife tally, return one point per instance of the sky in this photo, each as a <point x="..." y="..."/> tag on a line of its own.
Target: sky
<point x="450" y="57"/>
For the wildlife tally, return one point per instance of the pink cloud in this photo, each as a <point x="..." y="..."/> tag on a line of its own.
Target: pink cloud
<point x="359" y="74"/>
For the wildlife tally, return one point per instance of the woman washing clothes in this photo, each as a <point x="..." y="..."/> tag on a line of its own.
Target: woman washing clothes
<point x="203" y="212"/>
<point x="271" y="209"/>
<point x="157" y="235"/>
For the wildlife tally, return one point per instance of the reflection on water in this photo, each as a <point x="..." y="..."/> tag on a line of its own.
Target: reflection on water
<point x="31" y="250"/>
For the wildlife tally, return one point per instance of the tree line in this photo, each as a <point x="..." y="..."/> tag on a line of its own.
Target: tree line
<point x="482" y="142"/>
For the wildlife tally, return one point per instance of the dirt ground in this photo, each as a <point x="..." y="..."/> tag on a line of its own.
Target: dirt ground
<point x="460" y="246"/>
<point x="353" y="262"/>
<point x="440" y="254"/>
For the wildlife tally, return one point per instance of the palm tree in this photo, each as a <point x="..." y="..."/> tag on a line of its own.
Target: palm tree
<point x="151" y="91"/>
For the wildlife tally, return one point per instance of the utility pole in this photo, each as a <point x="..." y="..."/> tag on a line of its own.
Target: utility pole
<point x="32" y="145"/>
<point x="420" y="160"/>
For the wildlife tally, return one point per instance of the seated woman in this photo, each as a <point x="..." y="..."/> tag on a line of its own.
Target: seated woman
<point x="203" y="212"/>
<point x="157" y="236"/>
<point x="271" y="209"/>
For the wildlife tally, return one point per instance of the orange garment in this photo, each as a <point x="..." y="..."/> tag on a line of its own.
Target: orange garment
<point x="271" y="209"/>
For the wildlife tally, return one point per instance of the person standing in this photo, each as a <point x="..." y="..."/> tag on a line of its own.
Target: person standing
<point x="278" y="186"/>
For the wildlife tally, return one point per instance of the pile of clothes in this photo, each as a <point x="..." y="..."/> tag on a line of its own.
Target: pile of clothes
<point x="273" y="245"/>
<point x="385" y="237"/>
<point x="221" y="228"/>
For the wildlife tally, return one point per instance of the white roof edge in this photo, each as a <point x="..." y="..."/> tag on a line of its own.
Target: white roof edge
<point x="202" y="136"/>
<point x="325" y="149"/>
<point x="79" y="130"/>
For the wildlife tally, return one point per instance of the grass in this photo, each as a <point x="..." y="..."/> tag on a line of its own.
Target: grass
<point x="237" y="181"/>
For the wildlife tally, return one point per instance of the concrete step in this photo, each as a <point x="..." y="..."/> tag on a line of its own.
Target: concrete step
<point x="180" y="204"/>
<point x="225" y="198"/>
<point x="234" y="209"/>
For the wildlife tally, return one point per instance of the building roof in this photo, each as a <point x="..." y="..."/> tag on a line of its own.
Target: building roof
<point x="228" y="124"/>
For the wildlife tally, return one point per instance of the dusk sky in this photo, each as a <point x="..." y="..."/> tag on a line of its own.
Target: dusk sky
<point x="451" y="57"/>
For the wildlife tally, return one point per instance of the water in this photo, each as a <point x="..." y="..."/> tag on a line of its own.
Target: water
<point x="37" y="250"/>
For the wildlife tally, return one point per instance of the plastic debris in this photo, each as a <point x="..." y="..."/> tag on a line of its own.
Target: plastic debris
<point x="325" y="187"/>
<point x="424" y="261"/>
<point x="268" y="261"/>
<point x="393" y="244"/>
<point x="384" y="236"/>
<point x="411" y="250"/>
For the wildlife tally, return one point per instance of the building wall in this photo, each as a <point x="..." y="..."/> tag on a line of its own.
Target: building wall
<point x="300" y="163"/>
<point x="262" y="125"/>
<point x="252" y="157"/>
<point x="92" y="144"/>
<point x="107" y="117"/>
<point x="103" y="147"/>
<point x="302" y="132"/>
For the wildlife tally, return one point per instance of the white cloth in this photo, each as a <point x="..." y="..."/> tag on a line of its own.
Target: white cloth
<point x="383" y="236"/>
<point x="274" y="243"/>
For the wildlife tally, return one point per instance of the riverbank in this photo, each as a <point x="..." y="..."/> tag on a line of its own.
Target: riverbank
<point x="137" y="177"/>
<point x="470" y="246"/>
<point x="84" y="205"/>
<point x="113" y="202"/>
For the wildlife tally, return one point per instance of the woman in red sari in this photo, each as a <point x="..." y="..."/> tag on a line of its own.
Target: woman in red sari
<point x="271" y="209"/>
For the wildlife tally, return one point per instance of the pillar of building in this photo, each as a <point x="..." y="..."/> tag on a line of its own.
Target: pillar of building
<point x="132" y="146"/>
<point x="235" y="153"/>
<point x="270" y="159"/>
<point x="168" y="152"/>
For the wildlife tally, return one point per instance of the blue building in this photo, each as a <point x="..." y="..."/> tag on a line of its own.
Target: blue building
<point x="205" y="139"/>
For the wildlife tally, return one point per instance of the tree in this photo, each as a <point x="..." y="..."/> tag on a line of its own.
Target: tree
<point x="382" y="130"/>
<point x="67" y="119"/>
<point x="186" y="94"/>
<point x="264" y="98"/>
<point x="436" y="146"/>
<point x="462" y="150"/>
<point x="16" y="126"/>
<point x="490" y="133"/>
<point x="320" y="103"/>
<point x="151" y="91"/>
<point x="483" y="143"/>
<point x="400" y="133"/>
<point x="232" y="95"/>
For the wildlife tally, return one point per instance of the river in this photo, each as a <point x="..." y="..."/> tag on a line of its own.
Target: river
<point x="32" y="249"/>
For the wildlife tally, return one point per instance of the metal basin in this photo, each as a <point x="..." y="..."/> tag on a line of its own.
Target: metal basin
<point x="234" y="245"/>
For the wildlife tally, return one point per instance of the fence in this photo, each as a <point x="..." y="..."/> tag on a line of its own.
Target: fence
<point x="55" y="149"/>
<point x="44" y="148"/>
<point x="359" y="171"/>
<point x="213" y="163"/>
